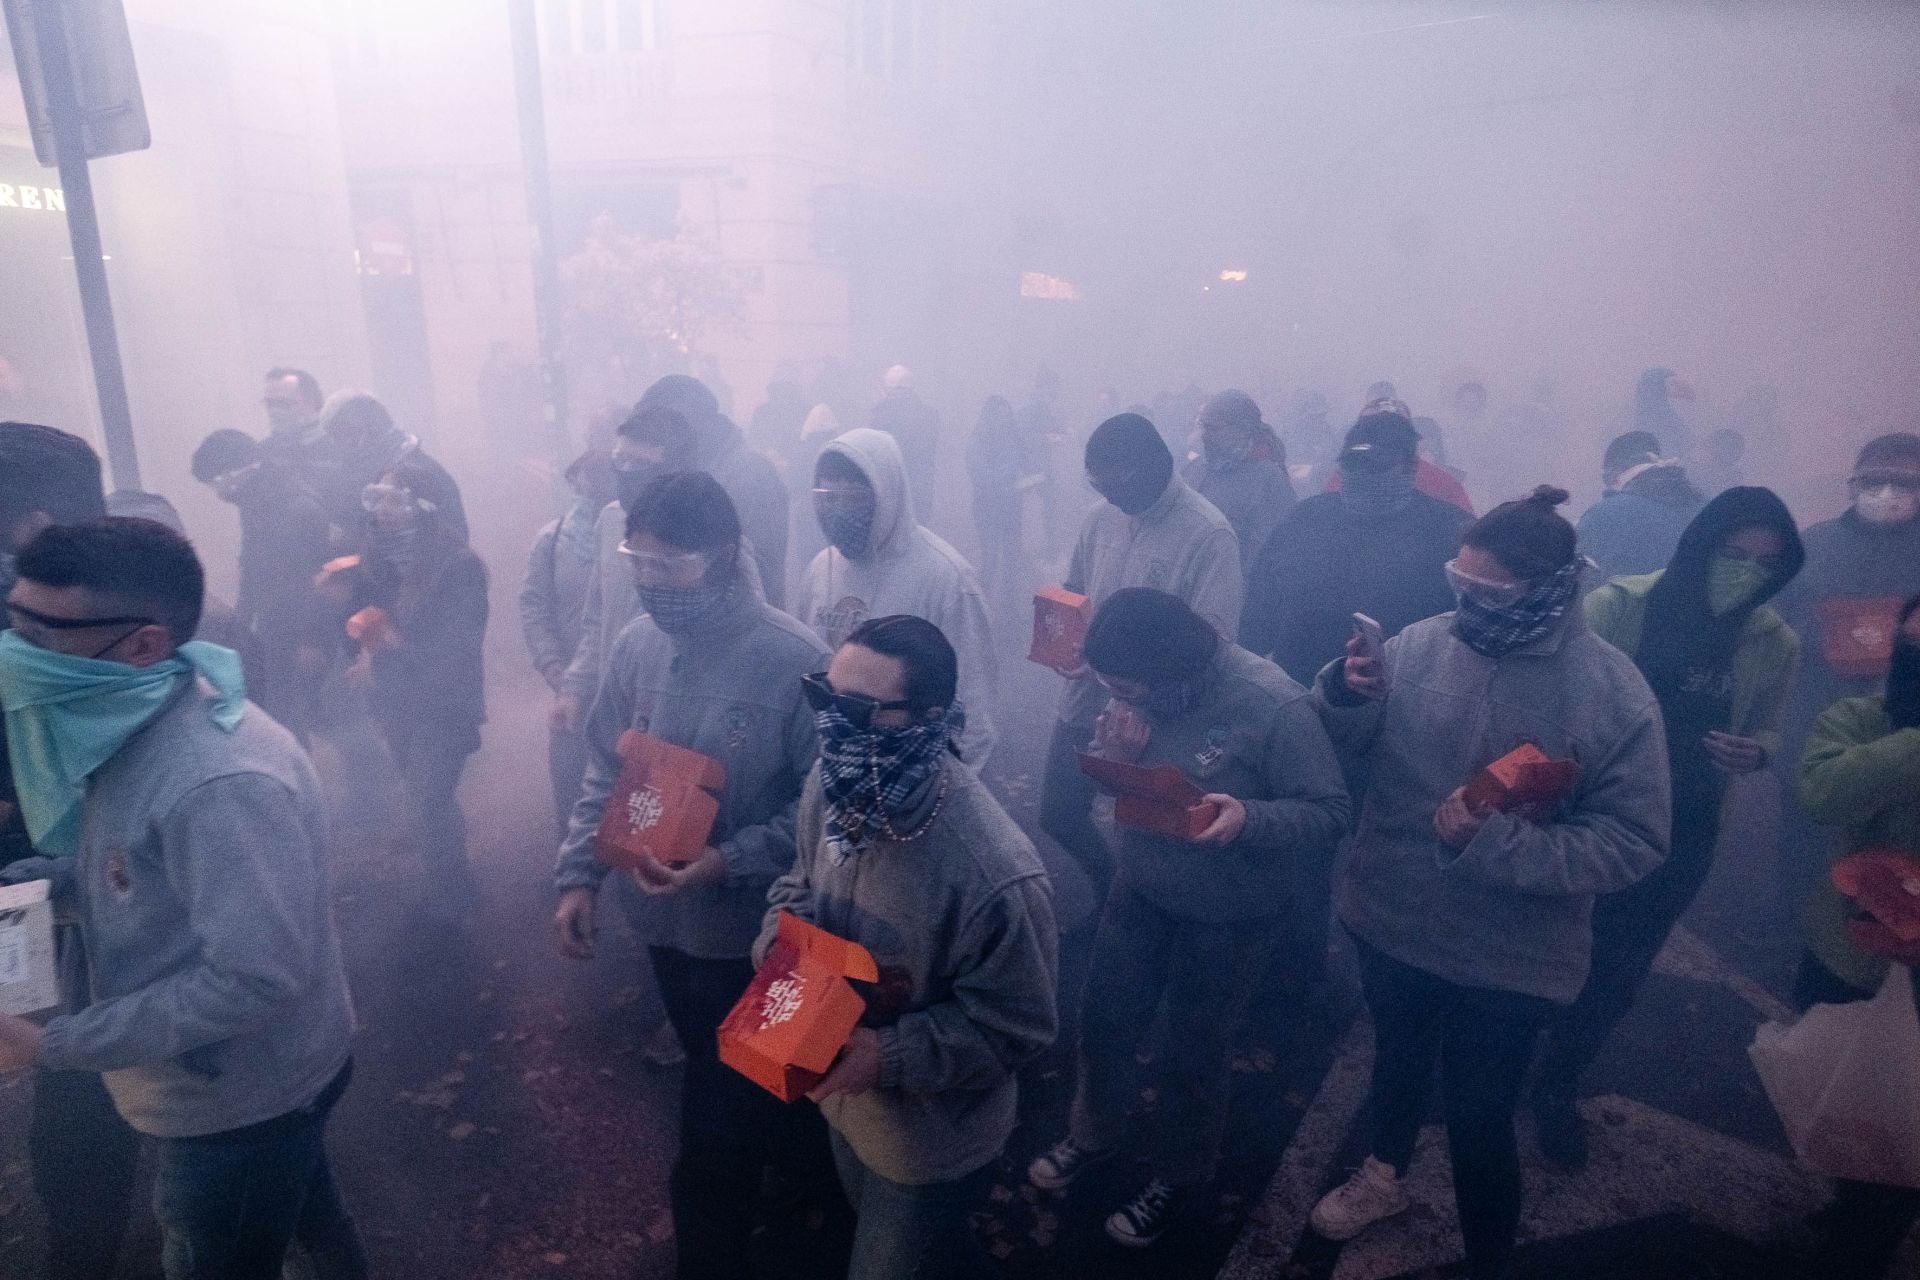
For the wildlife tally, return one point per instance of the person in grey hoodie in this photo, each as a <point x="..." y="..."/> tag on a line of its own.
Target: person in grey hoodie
<point x="708" y="665"/>
<point x="1474" y="926"/>
<point x="1193" y="921"/>
<point x="1242" y="470"/>
<point x="880" y="560"/>
<point x="902" y="850"/>
<point x="184" y="830"/>
<point x="1152" y="530"/>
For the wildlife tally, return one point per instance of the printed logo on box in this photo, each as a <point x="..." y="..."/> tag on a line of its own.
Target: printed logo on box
<point x="782" y="1001"/>
<point x="644" y="809"/>
<point x="13" y="953"/>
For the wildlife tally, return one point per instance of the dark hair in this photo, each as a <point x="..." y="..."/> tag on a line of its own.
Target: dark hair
<point x="1385" y="434"/>
<point x="1235" y="408"/>
<point x="146" y="506"/>
<point x="223" y="451"/>
<point x="308" y="384"/>
<point x="689" y="510"/>
<point x="932" y="669"/>
<point x="685" y="394"/>
<point x="141" y="562"/>
<point x="1526" y="535"/>
<point x="839" y="466"/>
<point x="1897" y="449"/>
<point x="1625" y="450"/>
<point x="423" y="484"/>
<point x="1147" y="635"/>
<point x="47" y="469"/>
<point x="666" y="427"/>
<point x="358" y="410"/>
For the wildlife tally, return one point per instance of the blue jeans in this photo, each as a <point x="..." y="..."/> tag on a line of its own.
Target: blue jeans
<point x="913" y="1233"/>
<point x="231" y="1204"/>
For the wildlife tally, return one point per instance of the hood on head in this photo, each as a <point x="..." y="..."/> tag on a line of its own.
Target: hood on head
<point x="877" y="454"/>
<point x="1738" y="508"/>
<point x="1664" y="481"/>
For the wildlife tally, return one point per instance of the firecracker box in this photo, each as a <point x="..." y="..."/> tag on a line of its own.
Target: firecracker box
<point x="1523" y="782"/>
<point x="28" y="979"/>
<point x="372" y="629"/>
<point x="1856" y="635"/>
<point x="1156" y="798"/>
<point x="663" y="804"/>
<point x="798" y="1011"/>
<point x="1060" y="621"/>
<point x="1886" y="884"/>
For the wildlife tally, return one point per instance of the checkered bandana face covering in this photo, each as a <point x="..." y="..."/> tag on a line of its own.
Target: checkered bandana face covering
<point x="1498" y="629"/>
<point x="868" y="776"/>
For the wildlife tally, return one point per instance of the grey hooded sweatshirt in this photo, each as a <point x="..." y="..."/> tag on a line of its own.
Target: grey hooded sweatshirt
<point x="218" y="995"/>
<point x="1181" y="545"/>
<point x="960" y="922"/>
<point x="1513" y="911"/>
<point x="1254" y="493"/>
<point x="907" y="570"/>
<point x="728" y="688"/>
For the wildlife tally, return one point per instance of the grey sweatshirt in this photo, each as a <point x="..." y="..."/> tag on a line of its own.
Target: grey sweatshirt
<point x="1251" y="733"/>
<point x="908" y="570"/>
<point x="960" y="922"/>
<point x="1513" y="910"/>
<point x="553" y="596"/>
<point x="729" y="689"/>
<point x="219" y="998"/>
<point x="1181" y="545"/>
<point x="1254" y="494"/>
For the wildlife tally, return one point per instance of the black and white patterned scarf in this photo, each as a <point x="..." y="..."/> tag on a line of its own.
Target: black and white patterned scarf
<point x="869" y="777"/>
<point x="1497" y="630"/>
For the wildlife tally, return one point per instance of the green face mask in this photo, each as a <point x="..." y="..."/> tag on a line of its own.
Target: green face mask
<point x="1731" y="583"/>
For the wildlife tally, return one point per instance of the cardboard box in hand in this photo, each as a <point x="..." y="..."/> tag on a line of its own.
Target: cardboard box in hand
<point x="662" y="807"/>
<point x="1159" y="798"/>
<point x="798" y="1011"/>
<point x="1523" y="782"/>
<point x="1886" y="884"/>
<point x="1856" y="636"/>
<point x="28" y="981"/>
<point x="372" y="629"/>
<point x="1060" y="621"/>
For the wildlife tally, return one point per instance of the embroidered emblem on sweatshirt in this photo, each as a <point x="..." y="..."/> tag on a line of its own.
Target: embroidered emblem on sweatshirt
<point x="739" y="722"/>
<point x="119" y="879"/>
<point x="1209" y="755"/>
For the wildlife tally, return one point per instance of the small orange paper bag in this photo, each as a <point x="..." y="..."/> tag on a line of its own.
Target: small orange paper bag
<point x="372" y="629"/>
<point x="1856" y="636"/>
<point x="661" y="807"/>
<point x="1060" y="619"/>
<point x="798" y="1011"/>
<point x="1523" y="782"/>
<point x="1160" y="798"/>
<point x="1886" y="884"/>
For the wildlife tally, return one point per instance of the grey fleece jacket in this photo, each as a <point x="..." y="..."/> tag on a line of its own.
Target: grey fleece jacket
<point x="218" y="995"/>
<point x="1181" y="545"/>
<point x="960" y="922"/>
<point x="729" y="689"/>
<point x="1513" y="910"/>
<point x="1251" y="733"/>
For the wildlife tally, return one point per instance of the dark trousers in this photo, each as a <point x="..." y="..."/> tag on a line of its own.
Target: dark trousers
<point x="1208" y="974"/>
<point x="1481" y="1040"/>
<point x="231" y="1204"/>
<point x="730" y="1128"/>
<point x="566" y="766"/>
<point x="913" y="1233"/>
<point x="430" y="758"/>
<point x="1066" y="806"/>
<point x="84" y="1157"/>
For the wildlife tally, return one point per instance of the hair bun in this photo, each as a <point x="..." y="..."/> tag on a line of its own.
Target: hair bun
<point x="1548" y="496"/>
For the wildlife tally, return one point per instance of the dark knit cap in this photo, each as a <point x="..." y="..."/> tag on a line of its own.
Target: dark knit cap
<point x="1150" y="636"/>
<point x="1127" y="440"/>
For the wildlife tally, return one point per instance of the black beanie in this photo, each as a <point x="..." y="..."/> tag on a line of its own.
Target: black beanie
<point x="1128" y="440"/>
<point x="1147" y="635"/>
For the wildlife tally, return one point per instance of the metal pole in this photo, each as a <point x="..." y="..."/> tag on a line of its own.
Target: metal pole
<point x="83" y="230"/>
<point x="525" y="36"/>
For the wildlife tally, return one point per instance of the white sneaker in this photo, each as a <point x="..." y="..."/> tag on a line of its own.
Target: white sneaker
<point x="1372" y="1193"/>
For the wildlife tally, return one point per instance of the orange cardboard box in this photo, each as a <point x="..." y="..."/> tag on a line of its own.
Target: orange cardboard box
<point x="1160" y="798"/>
<point x="1060" y="620"/>
<point x="1856" y="635"/>
<point x="662" y="807"/>
<point x="1522" y="782"/>
<point x="798" y="1011"/>
<point x="371" y="628"/>
<point x="1886" y="884"/>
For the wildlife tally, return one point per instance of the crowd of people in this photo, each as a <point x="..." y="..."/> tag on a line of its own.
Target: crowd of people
<point x="1316" y="630"/>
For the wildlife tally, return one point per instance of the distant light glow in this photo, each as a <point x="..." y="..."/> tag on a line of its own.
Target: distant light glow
<point x="1038" y="284"/>
<point x="1233" y="275"/>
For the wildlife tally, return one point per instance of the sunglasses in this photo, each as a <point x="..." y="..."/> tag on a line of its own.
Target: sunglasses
<point x="15" y="612"/>
<point x="857" y="708"/>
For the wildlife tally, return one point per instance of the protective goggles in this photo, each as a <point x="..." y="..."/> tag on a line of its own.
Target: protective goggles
<point x="653" y="565"/>
<point x="1492" y="593"/>
<point x="392" y="497"/>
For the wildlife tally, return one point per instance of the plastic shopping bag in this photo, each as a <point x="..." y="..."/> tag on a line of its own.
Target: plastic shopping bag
<point x="1845" y="1080"/>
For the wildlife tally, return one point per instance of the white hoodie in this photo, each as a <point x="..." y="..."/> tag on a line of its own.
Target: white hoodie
<point x="907" y="570"/>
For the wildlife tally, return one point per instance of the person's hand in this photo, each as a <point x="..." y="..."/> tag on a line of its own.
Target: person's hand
<point x="1362" y="671"/>
<point x="1733" y="754"/>
<point x="1456" y="824"/>
<point x="20" y="1043"/>
<point x="564" y="715"/>
<point x="658" y="880"/>
<point x="1226" y="827"/>
<point x="360" y="674"/>
<point x="573" y="924"/>
<point x="1120" y="733"/>
<point x="856" y="1070"/>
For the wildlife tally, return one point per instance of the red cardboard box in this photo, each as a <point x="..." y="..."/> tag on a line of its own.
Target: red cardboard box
<point x="662" y="805"/>
<point x="372" y="629"/>
<point x="1060" y="620"/>
<point x="1523" y="782"/>
<point x="1856" y="636"/>
<point x="1886" y="884"/>
<point x="1160" y="798"/>
<point x="799" y="1010"/>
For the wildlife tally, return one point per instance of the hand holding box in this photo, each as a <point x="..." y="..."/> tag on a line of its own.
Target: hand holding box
<point x="1523" y="782"/>
<point x="1159" y="798"/>
<point x="373" y="630"/>
<point x="28" y="981"/>
<point x="799" y="1010"/>
<point x="1856" y="635"/>
<point x="662" y="807"/>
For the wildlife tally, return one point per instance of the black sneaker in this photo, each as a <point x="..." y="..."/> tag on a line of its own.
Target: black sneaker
<point x="1057" y="1167"/>
<point x="1561" y="1131"/>
<point x="1145" y="1218"/>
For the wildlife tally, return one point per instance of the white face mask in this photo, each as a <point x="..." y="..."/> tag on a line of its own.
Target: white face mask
<point x="1887" y="504"/>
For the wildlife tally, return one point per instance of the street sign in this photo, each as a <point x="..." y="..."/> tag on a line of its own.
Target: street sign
<point x="113" y="115"/>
